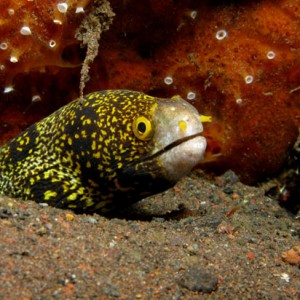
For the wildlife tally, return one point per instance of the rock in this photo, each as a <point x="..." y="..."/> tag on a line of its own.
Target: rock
<point x="198" y="279"/>
<point x="292" y="256"/>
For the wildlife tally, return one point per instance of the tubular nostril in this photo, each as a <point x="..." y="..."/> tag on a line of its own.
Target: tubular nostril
<point x="205" y="119"/>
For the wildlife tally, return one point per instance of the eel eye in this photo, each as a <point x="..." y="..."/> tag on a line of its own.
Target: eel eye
<point x="142" y="128"/>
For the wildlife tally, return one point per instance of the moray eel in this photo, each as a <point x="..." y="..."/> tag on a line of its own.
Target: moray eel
<point x="106" y="152"/>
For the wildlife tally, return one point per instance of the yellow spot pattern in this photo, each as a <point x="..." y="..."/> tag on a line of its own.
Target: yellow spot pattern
<point x="49" y="194"/>
<point x="66" y="158"/>
<point x="95" y="155"/>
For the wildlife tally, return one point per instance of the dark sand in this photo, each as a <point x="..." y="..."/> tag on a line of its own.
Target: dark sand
<point x="203" y="239"/>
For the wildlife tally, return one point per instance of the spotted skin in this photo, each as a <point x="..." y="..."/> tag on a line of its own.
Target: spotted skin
<point x="86" y="157"/>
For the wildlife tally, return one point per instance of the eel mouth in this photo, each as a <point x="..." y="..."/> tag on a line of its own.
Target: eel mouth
<point x="171" y="146"/>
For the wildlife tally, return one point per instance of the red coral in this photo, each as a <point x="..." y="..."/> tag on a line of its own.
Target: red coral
<point x="37" y="42"/>
<point x="237" y="62"/>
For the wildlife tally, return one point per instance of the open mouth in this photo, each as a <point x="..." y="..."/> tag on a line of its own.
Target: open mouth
<point x="172" y="145"/>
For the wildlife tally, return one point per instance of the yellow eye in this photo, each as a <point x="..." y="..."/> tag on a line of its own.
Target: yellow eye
<point x="142" y="128"/>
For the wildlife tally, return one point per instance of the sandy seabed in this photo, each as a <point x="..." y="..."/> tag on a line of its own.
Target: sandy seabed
<point x="203" y="239"/>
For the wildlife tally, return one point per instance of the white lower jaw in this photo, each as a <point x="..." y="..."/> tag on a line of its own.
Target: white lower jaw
<point x="181" y="159"/>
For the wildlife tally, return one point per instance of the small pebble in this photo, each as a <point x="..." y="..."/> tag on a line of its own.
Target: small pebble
<point x="111" y="290"/>
<point x="228" y="190"/>
<point x="230" y="178"/>
<point x="5" y="213"/>
<point x="285" y="277"/>
<point x="69" y="217"/>
<point x="198" y="279"/>
<point x="292" y="256"/>
<point x="42" y="230"/>
<point x="49" y="226"/>
<point x="90" y="220"/>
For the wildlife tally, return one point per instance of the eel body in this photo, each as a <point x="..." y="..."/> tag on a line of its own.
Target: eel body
<point x="112" y="149"/>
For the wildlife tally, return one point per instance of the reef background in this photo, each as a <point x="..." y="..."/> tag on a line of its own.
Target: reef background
<point x="236" y="60"/>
